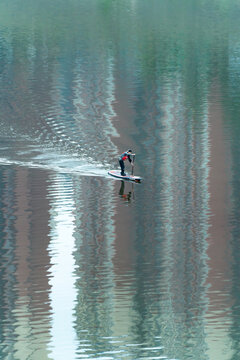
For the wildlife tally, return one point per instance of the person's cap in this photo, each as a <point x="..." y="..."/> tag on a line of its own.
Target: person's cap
<point x="129" y="150"/>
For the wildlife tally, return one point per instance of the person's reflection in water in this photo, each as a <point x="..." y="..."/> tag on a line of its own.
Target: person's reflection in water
<point x="128" y="196"/>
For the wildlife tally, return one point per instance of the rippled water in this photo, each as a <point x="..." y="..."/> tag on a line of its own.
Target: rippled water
<point x="92" y="267"/>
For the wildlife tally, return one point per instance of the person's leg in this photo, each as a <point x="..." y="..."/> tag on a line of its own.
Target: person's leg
<point x="121" y="163"/>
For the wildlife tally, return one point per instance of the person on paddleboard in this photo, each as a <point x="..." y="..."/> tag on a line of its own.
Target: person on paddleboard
<point x="124" y="156"/>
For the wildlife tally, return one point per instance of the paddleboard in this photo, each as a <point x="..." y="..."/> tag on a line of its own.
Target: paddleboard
<point x="117" y="174"/>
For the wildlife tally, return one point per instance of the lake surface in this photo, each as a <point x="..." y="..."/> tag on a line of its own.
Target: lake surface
<point x="92" y="267"/>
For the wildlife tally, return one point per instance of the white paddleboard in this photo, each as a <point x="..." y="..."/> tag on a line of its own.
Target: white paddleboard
<point x="117" y="174"/>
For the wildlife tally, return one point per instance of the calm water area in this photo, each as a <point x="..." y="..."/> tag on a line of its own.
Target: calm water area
<point x="92" y="267"/>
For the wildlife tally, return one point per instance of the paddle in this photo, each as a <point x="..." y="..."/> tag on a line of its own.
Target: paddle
<point x="133" y="163"/>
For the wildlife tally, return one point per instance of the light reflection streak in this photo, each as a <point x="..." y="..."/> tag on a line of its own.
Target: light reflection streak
<point x="93" y="101"/>
<point x="95" y="235"/>
<point x="186" y="211"/>
<point x="61" y="248"/>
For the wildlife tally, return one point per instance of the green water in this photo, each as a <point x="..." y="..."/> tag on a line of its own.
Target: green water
<point x="92" y="267"/>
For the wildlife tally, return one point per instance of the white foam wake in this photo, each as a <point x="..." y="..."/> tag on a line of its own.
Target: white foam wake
<point x="59" y="163"/>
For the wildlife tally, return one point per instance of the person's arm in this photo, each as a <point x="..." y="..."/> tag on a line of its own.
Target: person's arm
<point x="129" y="158"/>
